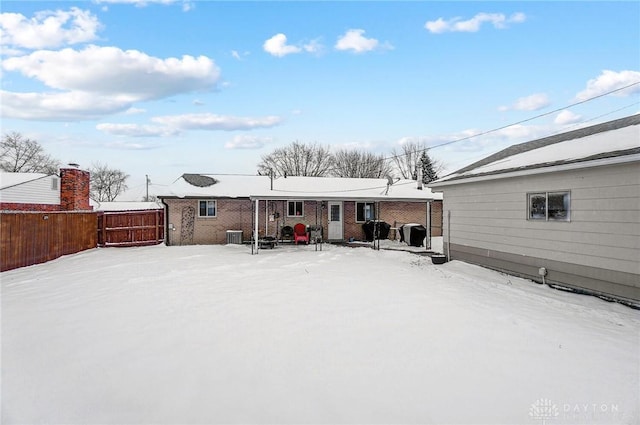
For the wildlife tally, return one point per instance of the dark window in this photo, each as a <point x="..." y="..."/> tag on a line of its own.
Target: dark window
<point x="207" y="209"/>
<point x="335" y="212"/>
<point x="294" y="208"/>
<point x="365" y="211"/>
<point x="549" y="206"/>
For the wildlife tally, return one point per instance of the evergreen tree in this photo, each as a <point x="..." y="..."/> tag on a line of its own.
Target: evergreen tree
<point x="429" y="173"/>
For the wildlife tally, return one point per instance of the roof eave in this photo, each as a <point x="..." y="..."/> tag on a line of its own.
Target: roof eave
<point x="340" y="198"/>
<point x="538" y="170"/>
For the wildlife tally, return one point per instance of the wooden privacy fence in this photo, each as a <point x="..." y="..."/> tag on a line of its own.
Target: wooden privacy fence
<point x="28" y="238"/>
<point x="130" y="228"/>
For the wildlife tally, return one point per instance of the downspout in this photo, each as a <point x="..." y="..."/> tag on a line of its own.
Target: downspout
<point x="428" y="244"/>
<point x="166" y="223"/>
<point x="448" y="235"/>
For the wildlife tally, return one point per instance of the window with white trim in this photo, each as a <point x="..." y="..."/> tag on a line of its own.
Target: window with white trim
<point x="207" y="208"/>
<point x="549" y="206"/>
<point x="295" y="208"/>
<point x="365" y="211"/>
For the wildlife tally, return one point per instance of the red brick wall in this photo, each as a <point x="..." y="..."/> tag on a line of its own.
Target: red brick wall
<point x="395" y="214"/>
<point x="231" y="214"/>
<point x="10" y="206"/>
<point x="74" y="189"/>
<point x="236" y="214"/>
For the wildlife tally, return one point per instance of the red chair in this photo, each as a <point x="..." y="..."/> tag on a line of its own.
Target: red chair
<point x="300" y="233"/>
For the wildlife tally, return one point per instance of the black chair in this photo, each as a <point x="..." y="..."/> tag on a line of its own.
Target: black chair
<point x="286" y="233"/>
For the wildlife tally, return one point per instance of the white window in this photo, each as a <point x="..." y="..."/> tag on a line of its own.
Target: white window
<point x="207" y="208"/>
<point x="365" y="211"/>
<point x="54" y="183"/>
<point x="549" y="206"/>
<point x="295" y="208"/>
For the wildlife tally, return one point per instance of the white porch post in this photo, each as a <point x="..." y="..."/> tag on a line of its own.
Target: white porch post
<point x="428" y="242"/>
<point x="255" y="230"/>
<point x="266" y="218"/>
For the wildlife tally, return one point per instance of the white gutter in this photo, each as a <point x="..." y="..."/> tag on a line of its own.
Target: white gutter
<point x="540" y="170"/>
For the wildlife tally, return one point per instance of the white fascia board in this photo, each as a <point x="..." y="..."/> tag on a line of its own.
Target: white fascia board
<point x="335" y="198"/>
<point x="541" y="170"/>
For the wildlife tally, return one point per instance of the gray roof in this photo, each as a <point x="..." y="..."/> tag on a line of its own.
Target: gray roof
<point x="488" y="167"/>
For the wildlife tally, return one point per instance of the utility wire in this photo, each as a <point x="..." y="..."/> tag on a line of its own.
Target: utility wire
<point x="482" y="133"/>
<point x="469" y="161"/>
<point x="467" y="138"/>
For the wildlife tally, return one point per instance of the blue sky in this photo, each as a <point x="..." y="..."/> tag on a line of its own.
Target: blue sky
<point x="170" y="87"/>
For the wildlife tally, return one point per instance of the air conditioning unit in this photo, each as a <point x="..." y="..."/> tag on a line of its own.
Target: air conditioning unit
<point x="234" y="236"/>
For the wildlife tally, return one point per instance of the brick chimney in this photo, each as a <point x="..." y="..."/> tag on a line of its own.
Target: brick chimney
<point x="74" y="189"/>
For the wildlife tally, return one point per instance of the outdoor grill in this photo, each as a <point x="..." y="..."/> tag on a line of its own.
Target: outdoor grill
<point x="413" y="234"/>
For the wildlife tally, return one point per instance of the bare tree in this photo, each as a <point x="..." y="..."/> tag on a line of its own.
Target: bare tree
<point x="22" y="155"/>
<point x="406" y="159"/>
<point x="107" y="183"/>
<point x="360" y="164"/>
<point x="297" y="159"/>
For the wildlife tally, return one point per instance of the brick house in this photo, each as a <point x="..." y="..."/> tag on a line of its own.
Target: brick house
<point x="68" y="191"/>
<point x="202" y="209"/>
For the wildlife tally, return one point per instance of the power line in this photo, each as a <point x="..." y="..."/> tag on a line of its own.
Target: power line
<point x="566" y="129"/>
<point x="482" y="133"/>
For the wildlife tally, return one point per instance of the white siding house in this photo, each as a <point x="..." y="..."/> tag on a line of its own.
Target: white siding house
<point x="563" y="210"/>
<point x="29" y="188"/>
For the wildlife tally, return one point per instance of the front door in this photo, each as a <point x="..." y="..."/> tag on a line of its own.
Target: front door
<point x="335" y="221"/>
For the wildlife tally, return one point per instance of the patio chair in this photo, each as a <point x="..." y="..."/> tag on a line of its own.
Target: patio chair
<point x="300" y="233"/>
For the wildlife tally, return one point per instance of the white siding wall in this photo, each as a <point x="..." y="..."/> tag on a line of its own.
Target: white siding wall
<point x="40" y="191"/>
<point x="604" y="230"/>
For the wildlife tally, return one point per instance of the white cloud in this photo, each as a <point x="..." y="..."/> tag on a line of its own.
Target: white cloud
<point x="186" y="4"/>
<point x="247" y="142"/>
<point x="567" y="117"/>
<point x="314" y="46"/>
<point x="498" y="20"/>
<point x="517" y="132"/>
<point x="135" y="130"/>
<point x="239" y="55"/>
<point x="129" y="146"/>
<point x="101" y="80"/>
<point x="48" y="29"/>
<point x="128" y="74"/>
<point x="135" y="111"/>
<point x="70" y="106"/>
<point x="209" y="121"/>
<point x="355" y="41"/>
<point x="277" y="46"/>
<point x="611" y="80"/>
<point x="533" y="102"/>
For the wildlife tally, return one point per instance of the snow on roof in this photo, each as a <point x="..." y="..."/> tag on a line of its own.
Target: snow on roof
<point x="14" y="179"/>
<point x="612" y="139"/>
<point x="124" y="206"/>
<point x="225" y="186"/>
<point x="238" y="186"/>
<point x="349" y="188"/>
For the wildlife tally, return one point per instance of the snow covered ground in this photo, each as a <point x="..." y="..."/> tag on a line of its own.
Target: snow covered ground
<point x="212" y="334"/>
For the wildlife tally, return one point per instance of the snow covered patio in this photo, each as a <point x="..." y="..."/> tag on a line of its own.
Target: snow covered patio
<point x="212" y="334"/>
